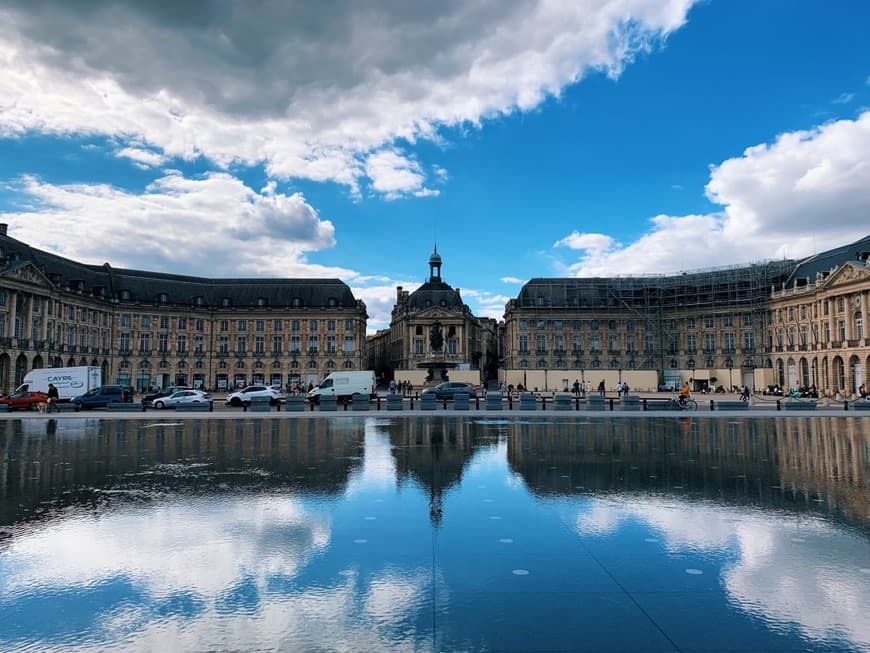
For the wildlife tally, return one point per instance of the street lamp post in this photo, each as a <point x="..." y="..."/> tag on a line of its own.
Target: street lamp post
<point x="692" y="372"/>
<point x="730" y="365"/>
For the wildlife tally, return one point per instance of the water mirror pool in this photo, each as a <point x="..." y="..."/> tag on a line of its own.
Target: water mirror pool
<point x="435" y="534"/>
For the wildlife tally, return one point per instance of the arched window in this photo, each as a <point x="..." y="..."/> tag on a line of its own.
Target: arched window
<point x="348" y="365"/>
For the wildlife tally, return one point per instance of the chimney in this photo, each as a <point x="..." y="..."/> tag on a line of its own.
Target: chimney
<point x="3" y="228"/>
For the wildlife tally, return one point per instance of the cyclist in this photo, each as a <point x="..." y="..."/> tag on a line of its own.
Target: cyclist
<point x="685" y="393"/>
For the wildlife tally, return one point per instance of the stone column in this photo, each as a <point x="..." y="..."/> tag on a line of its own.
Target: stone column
<point x="13" y="311"/>
<point x="847" y="317"/>
<point x="865" y="319"/>
<point x="27" y="328"/>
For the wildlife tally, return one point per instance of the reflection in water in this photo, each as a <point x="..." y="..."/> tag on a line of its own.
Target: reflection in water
<point x="377" y="534"/>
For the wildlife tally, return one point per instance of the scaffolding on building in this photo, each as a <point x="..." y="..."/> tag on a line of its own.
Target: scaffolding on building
<point x="659" y="302"/>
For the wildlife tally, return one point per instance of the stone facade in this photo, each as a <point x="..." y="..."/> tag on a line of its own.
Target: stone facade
<point x="786" y="323"/>
<point x="817" y="334"/>
<point x="469" y="343"/>
<point x="151" y="329"/>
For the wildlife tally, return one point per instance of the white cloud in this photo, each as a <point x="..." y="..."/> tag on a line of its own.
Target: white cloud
<point x="844" y="98"/>
<point x="807" y="191"/>
<point x="316" y="96"/>
<point x="588" y="242"/>
<point x="144" y="158"/>
<point x="511" y="280"/>
<point x="210" y="226"/>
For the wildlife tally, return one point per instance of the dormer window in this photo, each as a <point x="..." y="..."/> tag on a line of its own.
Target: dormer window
<point x="125" y="295"/>
<point x="261" y="301"/>
<point x="226" y="303"/>
<point x="196" y="301"/>
<point x="162" y="298"/>
<point x="332" y="302"/>
<point x="297" y="302"/>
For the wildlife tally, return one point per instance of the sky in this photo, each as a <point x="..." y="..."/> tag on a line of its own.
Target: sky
<point x="526" y="138"/>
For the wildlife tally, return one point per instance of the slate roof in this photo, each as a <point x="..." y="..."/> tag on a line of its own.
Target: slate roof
<point x="823" y="262"/>
<point x="146" y="286"/>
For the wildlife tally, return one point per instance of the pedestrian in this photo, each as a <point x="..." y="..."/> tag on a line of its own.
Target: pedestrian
<point x="625" y="388"/>
<point x="576" y="387"/>
<point x="52" y="397"/>
<point x="602" y="388"/>
<point x="744" y="394"/>
<point x="619" y="389"/>
<point x="392" y="386"/>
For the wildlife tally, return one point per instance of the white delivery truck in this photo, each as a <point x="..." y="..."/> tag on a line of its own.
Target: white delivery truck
<point x="69" y="381"/>
<point x="344" y="385"/>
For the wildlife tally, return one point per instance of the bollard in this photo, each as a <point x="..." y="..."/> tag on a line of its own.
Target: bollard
<point x="379" y="402"/>
<point x="412" y="402"/>
<point x="345" y="405"/>
<point x="644" y="404"/>
<point x="611" y="404"/>
<point x="210" y="407"/>
<point x="278" y="404"/>
<point x="577" y="402"/>
<point x="143" y="406"/>
<point x="477" y="403"/>
<point x="311" y="407"/>
<point x="543" y="403"/>
<point x="445" y="403"/>
<point x="244" y="406"/>
<point x="845" y="405"/>
<point x="711" y="404"/>
<point x="778" y="406"/>
<point x="510" y="402"/>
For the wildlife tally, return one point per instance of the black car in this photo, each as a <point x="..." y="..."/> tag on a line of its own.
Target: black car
<point x="447" y="389"/>
<point x="149" y="398"/>
<point x="103" y="396"/>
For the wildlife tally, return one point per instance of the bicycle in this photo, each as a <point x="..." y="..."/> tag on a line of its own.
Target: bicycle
<point x="685" y="404"/>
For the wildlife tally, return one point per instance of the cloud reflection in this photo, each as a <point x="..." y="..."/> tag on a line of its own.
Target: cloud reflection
<point x="792" y="569"/>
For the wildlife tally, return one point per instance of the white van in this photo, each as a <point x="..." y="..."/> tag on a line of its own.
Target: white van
<point x="69" y="381"/>
<point x="344" y="385"/>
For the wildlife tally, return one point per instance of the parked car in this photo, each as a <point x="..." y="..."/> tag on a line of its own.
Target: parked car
<point x="447" y="389"/>
<point x="148" y="399"/>
<point x="244" y="396"/>
<point x="103" y="396"/>
<point x="24" y="400"/>
<point x="186" y="396"/>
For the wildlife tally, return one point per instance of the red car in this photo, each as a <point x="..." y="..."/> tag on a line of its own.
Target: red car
<point x="24" y="400"/>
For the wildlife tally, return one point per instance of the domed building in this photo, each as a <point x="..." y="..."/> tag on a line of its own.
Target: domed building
<point x="434" y="336"/>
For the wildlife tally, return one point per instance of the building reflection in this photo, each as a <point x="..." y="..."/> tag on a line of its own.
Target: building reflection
<point x="820" y="465"/>
<point x="43" y="461"/>
<point x="800" y="464"/>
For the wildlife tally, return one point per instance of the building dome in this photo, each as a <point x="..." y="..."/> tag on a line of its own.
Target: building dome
<point x="435" y="259"/>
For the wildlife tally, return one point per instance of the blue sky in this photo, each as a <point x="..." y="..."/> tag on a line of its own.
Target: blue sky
<point x="529" y="138"/>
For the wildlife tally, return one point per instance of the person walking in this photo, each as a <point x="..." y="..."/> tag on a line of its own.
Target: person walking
<point x="52" y="397"/>
<point x="602" y="388"/>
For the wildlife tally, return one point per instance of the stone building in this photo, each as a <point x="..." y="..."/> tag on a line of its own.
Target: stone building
<point x="646" y="331"/>
<point x="816" y="333"/>
<point x="789" y="323"/>
<point x="467" y="349"/>
<point x="153" y="329"/>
